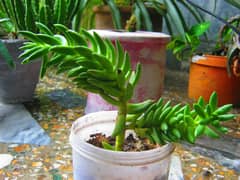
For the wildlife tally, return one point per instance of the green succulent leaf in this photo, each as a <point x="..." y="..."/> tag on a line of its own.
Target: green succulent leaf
<point x="199" y="110"/>
<point x="199" y="130"/>
<point x="223" y="109"/>
<point x="213" y="101"/>
<point x="211" y="133"/>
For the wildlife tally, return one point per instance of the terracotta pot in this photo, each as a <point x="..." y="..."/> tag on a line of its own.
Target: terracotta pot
<point x="209" y="73"/>
<point x="90" y="162"/>
<point x="17" y="85"/>
<point x="103" y="17"/>
<point x="148" y="48"/>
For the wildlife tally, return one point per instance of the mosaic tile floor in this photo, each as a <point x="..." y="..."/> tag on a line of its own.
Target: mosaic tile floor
<point x="54" y="161"/>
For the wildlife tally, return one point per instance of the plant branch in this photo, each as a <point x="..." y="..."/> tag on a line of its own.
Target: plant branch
<point x="120" y="127"/>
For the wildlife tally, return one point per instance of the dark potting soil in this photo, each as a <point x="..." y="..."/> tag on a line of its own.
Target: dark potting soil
<point x="131" y="143"/>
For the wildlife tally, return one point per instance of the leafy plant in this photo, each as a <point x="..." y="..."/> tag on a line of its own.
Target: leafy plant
<point x="171" y="10"/>
<point x="24" y="13"/>
<point x="96" y="65"/>
<point x="228" y="44"/>
<point x="187" y="45"/>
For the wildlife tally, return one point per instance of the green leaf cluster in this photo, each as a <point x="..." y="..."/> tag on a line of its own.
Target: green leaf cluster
<point x="170" y="10"/>
<point x="234" y="3"/>
<point x="163" y="123"/>
<point x="24" y="13"/>
<point x="187" y="45"/>
<point x="101" y="69"/>
<point x="229" y="41"/>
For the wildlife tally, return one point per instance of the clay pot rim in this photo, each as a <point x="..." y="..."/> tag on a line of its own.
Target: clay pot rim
<point x="210" y="60"/>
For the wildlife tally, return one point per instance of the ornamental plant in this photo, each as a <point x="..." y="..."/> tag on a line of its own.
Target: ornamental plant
<point x="187" y="45"/>
<point x="16" y="15"/>
<point x="228" y="43"/>
<point x="170" y="10"/>
<point x="96" y="65"/>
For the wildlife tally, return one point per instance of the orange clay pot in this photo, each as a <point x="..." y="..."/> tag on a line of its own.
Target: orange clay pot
<point x="209" y="73"/>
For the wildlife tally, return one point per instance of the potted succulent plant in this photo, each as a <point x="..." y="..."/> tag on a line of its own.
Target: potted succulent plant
<point x="17" y="85"/>
<point x="96" y="65"/>
<point x="208" y="72"/>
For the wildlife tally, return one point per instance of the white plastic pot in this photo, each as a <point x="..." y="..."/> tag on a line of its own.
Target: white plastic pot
<point x="93" y="163"/>
<point x="147" y="48"/>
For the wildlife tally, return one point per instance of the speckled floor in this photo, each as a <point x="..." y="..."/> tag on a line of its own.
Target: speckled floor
<point x="54" y="161"/>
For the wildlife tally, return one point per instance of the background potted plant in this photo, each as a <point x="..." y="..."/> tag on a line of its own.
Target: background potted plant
<point x="146" y="15"/>
<point x="208" y="72"/>
<point x="126" y="14"/>
<point x="17" y="85"/>
<point x="105" y="69"/>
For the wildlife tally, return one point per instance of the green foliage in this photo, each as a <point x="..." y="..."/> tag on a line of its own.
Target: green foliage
<point x="5" y="54"/>
<point x="96" y="65"/>
<point x="187" y="45"/>
<point x="230" y="41"/>
<point x="234" y="3"/>
<point x="164" y="123"/>
<point x="24" y="13"/>
<point x="101" y="69"/>
<point x="229" y="36"/>
<point x="115" y="14"/>
<point x="4" y="22"/>
<point x="5" y="25"/>
<point x="122" y="2"/>
<point x="171" y="10"/>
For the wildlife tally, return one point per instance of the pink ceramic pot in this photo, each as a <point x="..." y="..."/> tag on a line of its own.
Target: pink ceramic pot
<point x="148" y="48"/>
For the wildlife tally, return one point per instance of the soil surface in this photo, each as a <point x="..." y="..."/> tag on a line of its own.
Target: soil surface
<point x="131" y="143"/>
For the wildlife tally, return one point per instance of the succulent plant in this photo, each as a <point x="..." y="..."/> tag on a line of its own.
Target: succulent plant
<point x="97" y="65"/>
<point x="23" y="14"/>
